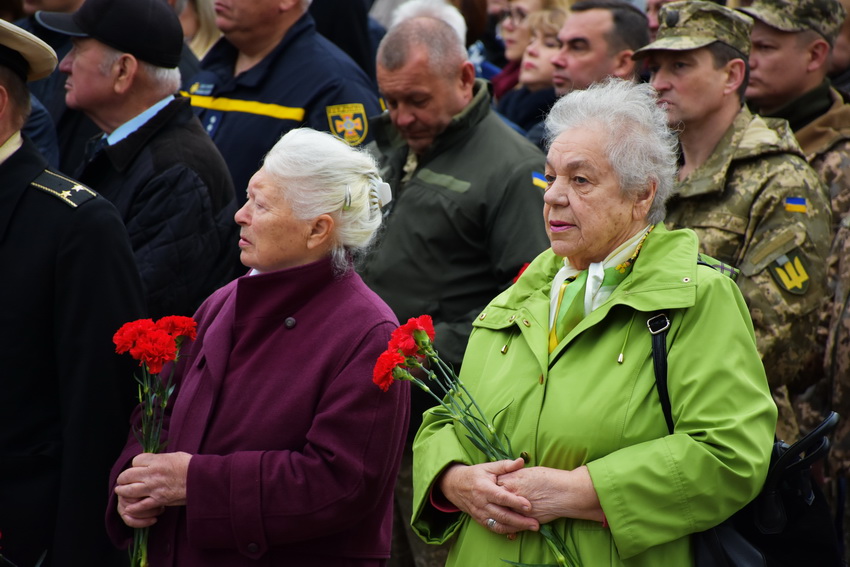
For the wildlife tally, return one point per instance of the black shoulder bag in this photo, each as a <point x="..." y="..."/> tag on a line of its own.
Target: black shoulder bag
<point x="789" y="522"/>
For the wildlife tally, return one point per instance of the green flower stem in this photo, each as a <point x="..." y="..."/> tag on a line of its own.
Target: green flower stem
<point x="463" y="408"/>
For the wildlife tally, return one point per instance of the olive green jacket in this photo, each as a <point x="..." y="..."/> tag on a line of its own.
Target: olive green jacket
<point x="593" y="402"/>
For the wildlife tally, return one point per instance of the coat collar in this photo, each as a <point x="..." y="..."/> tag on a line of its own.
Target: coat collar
<point x="664" y="277"/>
<point x="122" y="154"/>
<point x="281" y="293"/>
<point x="748" y="137"/>
<point x="828" y="129"/>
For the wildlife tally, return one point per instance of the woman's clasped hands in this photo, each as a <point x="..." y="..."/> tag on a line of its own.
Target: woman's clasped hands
<point x="507" y="497"/>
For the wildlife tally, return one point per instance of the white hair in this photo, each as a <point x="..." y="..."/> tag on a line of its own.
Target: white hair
<point x="317" y="173"/>
<point x="437" y="9"/>
<point x="166" y="79"/>
<point x="641" y="147"/>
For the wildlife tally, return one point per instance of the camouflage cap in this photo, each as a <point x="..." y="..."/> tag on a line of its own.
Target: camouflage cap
<point x="692" y="24"/>
<point x="822" y="16"/>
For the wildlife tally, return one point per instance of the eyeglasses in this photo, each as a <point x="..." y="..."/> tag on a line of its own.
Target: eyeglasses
<point x="515" y="15"/>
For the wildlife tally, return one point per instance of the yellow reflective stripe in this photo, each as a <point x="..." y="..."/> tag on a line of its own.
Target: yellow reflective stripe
<point x="247" y="106"/>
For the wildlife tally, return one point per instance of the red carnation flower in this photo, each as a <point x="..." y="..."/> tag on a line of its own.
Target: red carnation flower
<point x="125" y="337"/>
<point x="382" y="376"/>
<point x="155" y="349"/>
<point x="404" y="338"/>
<point x="178" y="326"/>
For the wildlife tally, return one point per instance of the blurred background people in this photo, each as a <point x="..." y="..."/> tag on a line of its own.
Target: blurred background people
<point x="528" y="104"/>
<point x="197" y="17"/>
<point x="271" y="72"/>
<point x="516" y="35"/>
<point x="276" y="456"/>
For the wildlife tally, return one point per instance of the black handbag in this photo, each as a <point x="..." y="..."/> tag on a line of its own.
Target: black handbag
<point x="789" y="522"/>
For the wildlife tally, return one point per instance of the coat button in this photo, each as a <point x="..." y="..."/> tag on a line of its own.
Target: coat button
<point x="289" y="322"/>
<point x="526" y="323"/>
<point x="253" y="548"/>
<point x="511" y="318"/>
<point x="481" y="317"/>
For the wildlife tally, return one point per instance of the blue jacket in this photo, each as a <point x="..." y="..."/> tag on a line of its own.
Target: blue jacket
<point x="305" y="81"/>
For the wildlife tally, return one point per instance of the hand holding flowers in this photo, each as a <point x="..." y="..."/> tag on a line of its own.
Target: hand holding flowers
<point x="153" y="345"/>
<point x="410" y="349"/>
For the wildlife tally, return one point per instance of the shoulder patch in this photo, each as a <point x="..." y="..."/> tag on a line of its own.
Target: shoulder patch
<point x="795" y="204"/>
<point x="539" y="180"/>
<point x="348" y="122"/>
<point x="790" y="273"/>
<point x="69" y="191"/>
<point x="725" y="269"/>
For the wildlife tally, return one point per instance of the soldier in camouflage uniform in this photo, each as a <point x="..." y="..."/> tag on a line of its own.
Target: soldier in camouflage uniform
<point x="744" y="187"/>
<point x="791" y="44"/>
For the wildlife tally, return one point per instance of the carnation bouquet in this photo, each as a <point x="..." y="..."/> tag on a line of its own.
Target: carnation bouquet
<point x="411" y="348"/>
<point x="153" y="345"/>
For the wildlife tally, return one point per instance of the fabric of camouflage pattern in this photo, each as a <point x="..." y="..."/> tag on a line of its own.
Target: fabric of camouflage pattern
<point x="693" y="23"/>
<point x="757" y="204"/>
<point x="826" y="143"/>
<point x="822" y="16"/>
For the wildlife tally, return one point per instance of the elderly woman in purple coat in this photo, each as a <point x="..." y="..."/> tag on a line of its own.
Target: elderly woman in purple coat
<point x="280" y="449"/>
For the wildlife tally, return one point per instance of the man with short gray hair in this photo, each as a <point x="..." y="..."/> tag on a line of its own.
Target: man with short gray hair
<point x="154" y="161"/>
<point x="467" y="208"/>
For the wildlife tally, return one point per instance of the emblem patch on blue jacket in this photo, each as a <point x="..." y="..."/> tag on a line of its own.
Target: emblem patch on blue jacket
<point x="348" y="122"/>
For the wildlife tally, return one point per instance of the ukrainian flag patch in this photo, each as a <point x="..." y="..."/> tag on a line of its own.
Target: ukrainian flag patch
<point x="539" y="180"/>
<point x="795" y="204"/>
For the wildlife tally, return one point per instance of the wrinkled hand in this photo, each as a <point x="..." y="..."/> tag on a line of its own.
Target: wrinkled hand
<point x="473" y="489"/>
<point x="555" y="493"/>
<point x="149" y="485"/>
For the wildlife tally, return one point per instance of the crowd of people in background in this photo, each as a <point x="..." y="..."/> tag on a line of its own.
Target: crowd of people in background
<point x="268" y="163"/>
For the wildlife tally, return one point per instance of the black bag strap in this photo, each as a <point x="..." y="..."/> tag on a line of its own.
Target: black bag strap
<point x="658" y="326"/>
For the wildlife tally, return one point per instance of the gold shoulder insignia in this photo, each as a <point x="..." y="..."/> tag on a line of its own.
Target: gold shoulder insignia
<point x="71" y="192"/>
<point x="790" y="273"/>
<point x="348" y="122"/>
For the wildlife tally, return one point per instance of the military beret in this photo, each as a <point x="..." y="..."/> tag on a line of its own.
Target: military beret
<point x="822" y="16"/>
<point x="693" y="24"/>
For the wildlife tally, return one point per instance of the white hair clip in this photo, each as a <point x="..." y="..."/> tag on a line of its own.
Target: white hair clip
<point x="380" y="195"/>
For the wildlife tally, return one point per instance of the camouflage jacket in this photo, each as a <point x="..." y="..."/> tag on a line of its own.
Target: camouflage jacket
<point x="757" y="205"/>
<point x="826" y="143"/>
<point x="837" y="359"/>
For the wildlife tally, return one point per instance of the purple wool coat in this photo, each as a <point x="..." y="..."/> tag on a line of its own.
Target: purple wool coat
<point x="295" y="450"/>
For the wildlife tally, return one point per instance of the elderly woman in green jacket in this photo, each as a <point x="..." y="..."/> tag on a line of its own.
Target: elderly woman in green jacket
<point x="567" y="351"/>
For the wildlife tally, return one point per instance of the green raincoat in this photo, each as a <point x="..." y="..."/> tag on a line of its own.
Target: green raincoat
<point x="593" y="402"/>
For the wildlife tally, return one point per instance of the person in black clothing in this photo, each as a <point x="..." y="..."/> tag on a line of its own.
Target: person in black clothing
<point x="65" y="396"/>
<point x="157" y="165"/>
